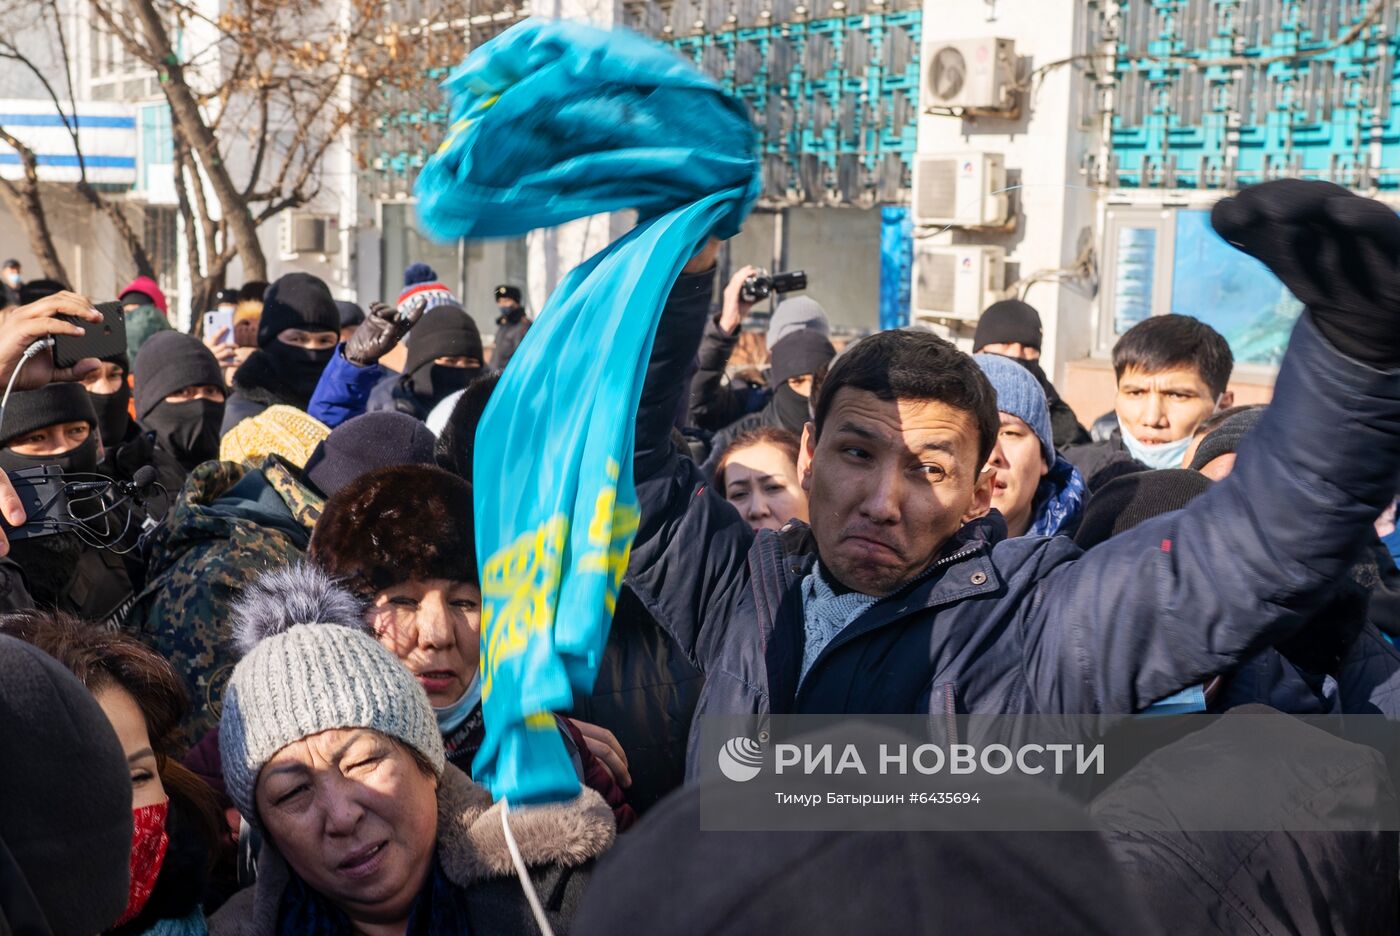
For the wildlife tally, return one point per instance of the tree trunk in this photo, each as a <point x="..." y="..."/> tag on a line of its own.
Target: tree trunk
<point x="139" y="257"/>
<point x="23" y="200"/>
<point x="184" y="110"/>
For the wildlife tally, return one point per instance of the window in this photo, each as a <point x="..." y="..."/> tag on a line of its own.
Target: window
<point x="1137" y="258"/>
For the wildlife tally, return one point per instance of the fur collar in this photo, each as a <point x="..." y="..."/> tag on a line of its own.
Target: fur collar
<point x="471" y="847"/>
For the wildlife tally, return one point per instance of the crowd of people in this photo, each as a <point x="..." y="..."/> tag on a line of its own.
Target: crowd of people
<point x="240" y="685"/>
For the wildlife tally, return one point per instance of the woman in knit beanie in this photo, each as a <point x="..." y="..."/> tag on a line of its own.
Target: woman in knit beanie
<point x="331" y="751"/>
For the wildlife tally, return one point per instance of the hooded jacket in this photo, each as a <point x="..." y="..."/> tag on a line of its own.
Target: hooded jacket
<point x="230" y="524"/>
<point x="557" y="842"/>
<point x="1029" y="624"/>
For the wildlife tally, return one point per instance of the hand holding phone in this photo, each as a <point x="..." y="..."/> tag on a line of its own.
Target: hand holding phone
<point x="101" y="339"/>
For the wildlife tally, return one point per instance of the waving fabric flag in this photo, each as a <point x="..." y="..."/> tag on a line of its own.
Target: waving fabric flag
<point x="554" y="121"/>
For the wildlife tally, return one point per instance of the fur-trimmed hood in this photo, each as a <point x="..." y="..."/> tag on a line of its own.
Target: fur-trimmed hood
<point x="471" y="848"/>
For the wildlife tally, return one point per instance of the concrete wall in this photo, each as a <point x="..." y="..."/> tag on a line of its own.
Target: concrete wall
<point x="1044" y="148"/>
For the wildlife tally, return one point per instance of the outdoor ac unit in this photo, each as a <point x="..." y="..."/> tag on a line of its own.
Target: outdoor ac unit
<point x="956" y="282"/>
<point x="970" y="74"/>
<point x="309" y="233"/>
<point x="956" y="189"/>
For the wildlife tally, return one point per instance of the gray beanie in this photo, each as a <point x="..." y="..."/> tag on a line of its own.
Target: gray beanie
<point x="309" y="666"/>
<point x="1019" y="393"/>
<point x="796" y="314"/>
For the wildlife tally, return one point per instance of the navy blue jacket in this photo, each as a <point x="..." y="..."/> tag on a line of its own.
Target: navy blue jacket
<point x="1030" y="624"/>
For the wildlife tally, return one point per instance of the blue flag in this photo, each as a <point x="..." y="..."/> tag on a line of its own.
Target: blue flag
<point x="554" y="121"/>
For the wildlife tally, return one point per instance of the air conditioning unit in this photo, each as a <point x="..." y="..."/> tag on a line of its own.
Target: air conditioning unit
<point x="306" y="233"/>
<point x="956" y="189"/>
<point x="970" y="74"/>
<point x="957" y="281"/>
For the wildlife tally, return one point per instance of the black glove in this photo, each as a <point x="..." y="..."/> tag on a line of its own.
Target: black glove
<point x="383" y="328"/>
<point x="1337" y="252"/>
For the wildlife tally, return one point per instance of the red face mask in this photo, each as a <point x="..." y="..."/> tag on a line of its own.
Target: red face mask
<point x="148" y="843"/>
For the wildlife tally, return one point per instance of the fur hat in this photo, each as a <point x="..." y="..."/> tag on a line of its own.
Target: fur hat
<point x="310" y="665"/>
<point x="398" y="524"/>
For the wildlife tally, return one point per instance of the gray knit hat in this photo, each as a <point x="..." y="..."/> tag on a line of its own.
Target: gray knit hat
<point x="796" y="314"/>
<point x="1019" y="393"/>
<point x="310" y="665"/>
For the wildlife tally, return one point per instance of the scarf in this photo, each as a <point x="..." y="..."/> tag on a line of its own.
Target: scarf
<point x="554" y="121"/>
<point x="440" y="907"/>
<point x="149" y="840"/>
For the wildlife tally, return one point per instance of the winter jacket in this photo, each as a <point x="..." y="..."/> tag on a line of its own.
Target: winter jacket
<point x="390" y="395"/>
<point x="645" y="694"/>
<point x="344" y="389"/>
<point x="65" y="573"/>
<point x="715" y="404"/>
<point x="1101" y="462"/>
<point x="230" y="525"/>
<point x="1265" y="883"/>
<point x="1059" y="501"/>
<point x="558" y="842"/>
<point x="508" y="337"/>
<point x="1030" y="624"/>
<point x="256" y="386"/>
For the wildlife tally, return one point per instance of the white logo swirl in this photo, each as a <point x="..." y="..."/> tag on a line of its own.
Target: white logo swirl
<point x="740" y="759"/>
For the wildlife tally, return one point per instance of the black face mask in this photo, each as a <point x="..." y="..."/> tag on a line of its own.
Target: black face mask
<point x="189" y="431"/>
<point x="112" y="416"/>
<point x="791" y="408"/>
<point x="301" y="367"/>
<point x="434" y="383"/>
<point x="81" y="460"/>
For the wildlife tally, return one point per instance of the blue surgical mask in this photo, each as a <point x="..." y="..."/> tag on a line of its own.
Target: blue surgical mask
<point x="1188" y="701"/>
<point x="13" y="279"/>
<point x="1165" y="455"/>
<point x="450" y="717"/>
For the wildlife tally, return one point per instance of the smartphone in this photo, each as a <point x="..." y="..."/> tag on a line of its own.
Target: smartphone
<point x="41" y="491"/>
<point x="103" y="339"/>
<point x="216" y="321"/>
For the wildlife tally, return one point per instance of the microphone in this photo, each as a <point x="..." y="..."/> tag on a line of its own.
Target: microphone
<point x="142" y="478"/>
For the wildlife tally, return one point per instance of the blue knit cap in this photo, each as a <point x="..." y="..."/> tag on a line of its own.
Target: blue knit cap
<point x="418" y="273"/>
<point x="1019" y="393"/>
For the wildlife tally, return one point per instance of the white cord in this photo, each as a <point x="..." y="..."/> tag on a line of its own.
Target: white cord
<point x="29" y="352"/>
<point x="524" y="874"/>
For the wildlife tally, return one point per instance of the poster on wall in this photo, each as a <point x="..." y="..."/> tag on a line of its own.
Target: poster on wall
<point x="1230" y="291"/>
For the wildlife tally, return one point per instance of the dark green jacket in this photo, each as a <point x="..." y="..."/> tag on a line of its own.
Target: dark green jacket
<point x="230" y="524"/>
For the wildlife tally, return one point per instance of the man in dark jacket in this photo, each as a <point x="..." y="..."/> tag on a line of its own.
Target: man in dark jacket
<point x="894" y="602"/>
<point x="180" y="397"/>
<point x="444" y="355"/>
<point x="511" y="325"/>
<point x="56" y="426"/>
<point x="1012" y="329"/>
<point x="297" y="334"/>
<point x="1172" y="373"/>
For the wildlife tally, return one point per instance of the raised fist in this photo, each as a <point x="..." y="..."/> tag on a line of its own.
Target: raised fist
<point x="1338" y="252"/>
<point x="383" y="328"/>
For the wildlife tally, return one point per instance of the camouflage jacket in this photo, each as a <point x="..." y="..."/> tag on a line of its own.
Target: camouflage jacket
<point x="229" y="525"/>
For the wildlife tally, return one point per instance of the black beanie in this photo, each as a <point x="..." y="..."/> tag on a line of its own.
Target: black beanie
<point x="1225" y="438"/>
<point x="350" y="314"/>
<point x="65" y="799"/>
<point x="175" y="361"/>
<point x="1008" y="322"/>
<point x="365" y="443"/>
<point x="1126" y="501"/>
<point x="443" y="331"/>
<point x="49" y="405"/>
<point x="801" y="352"/>
<point x="297" y="300"/>
<point x="512" y="293"/>
<point x="399" y="524"/>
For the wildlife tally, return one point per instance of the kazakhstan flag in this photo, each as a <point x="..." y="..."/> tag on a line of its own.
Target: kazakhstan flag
<point x="554" y="121"/>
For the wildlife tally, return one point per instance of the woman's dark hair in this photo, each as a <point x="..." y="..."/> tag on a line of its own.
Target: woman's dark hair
<point x="102" y="658"/>
<point x="1163" y="342"/>
<point x="764" y="435"/>
<point x="911" y="365"/>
